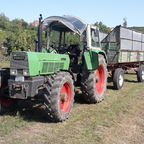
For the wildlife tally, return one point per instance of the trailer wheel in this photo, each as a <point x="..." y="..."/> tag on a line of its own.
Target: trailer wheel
<point x="118" y="78"/>
<point x="59" y="97"/>
<point x="6" y="104"/>
<point x="93" y="83"/>
<point x="140" y="74"/>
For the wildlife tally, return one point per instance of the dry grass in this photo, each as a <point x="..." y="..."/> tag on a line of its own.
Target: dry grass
<point x="119" y="119"/>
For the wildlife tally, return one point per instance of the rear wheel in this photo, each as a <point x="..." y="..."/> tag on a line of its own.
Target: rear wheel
<point x="140" y="74"/>
<point x="59" y="97"/>
<point x="6" y="104"/>
<point x="118" y="78"/>
<point x="93" y="83"/>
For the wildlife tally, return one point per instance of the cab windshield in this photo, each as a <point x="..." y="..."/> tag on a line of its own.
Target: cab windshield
<point x="60" y="40"/>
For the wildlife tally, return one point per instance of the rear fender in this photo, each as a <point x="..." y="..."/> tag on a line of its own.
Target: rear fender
<point x="91" y="60"/>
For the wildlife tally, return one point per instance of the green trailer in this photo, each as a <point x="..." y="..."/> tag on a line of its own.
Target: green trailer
<point x="125" y="50"/>
<point x="52" y="72"/>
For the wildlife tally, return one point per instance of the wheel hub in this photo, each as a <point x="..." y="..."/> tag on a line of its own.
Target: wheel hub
<point x="63" y="97"/>
<point x="143" y="75"/>
<point x="97" y="78"/>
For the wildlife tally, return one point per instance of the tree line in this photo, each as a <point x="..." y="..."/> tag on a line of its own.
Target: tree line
<point x="18" y="35"/>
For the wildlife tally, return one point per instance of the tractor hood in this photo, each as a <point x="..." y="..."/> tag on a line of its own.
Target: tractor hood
<point x="66" y="23"/>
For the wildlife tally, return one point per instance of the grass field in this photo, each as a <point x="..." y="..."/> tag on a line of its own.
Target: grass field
<point x="119" y="119"/>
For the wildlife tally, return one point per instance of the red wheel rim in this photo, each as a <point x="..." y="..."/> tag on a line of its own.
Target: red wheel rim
<point x="6" y="102"/>
<point x="100" y="81"/>
<point x="65" y="97"/>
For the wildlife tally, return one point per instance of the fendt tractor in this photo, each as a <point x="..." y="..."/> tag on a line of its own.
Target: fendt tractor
<point x="51" y="73"/>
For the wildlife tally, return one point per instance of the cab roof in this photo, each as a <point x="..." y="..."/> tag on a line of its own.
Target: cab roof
<point x="66" y="23"/>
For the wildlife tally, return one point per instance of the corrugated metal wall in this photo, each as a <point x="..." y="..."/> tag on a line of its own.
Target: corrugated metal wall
<point x="124" y="45"/>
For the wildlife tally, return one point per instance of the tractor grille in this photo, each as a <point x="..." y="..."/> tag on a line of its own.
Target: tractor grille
<point x="20" y="72"/>
<point x="19" y="60"/>
<point x="52" y="66"/>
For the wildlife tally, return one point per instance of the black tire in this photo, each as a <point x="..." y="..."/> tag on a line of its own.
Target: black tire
<point x="118" y="78"/>
<point x="112" y="73"/>
<point x="93" y="83"/>
<point x="59" y="96"/>
<point x="140" y="74"/>
<point x="6" y="104"/>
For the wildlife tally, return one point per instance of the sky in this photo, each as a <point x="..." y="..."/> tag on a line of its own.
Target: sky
<point x="110" y="12"/>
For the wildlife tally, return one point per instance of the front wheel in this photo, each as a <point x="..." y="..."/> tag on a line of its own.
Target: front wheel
<point x="118" y="78"/>
<point x="59" y="97"/>
<point x="93" y="83"/>
<point x="140" y="74"/>
<point x="6" y="104"/>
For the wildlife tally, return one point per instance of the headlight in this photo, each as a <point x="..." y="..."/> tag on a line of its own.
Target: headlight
<point x="25" y="72"/>
<point x="13" y="71"/>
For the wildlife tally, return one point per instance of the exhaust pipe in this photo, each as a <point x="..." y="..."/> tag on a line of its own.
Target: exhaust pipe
<point x="40" y="34"/>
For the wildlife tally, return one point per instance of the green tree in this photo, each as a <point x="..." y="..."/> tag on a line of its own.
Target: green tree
<point x="2" y="38"/>
<point x="16" y="34"/>
<point x="125" y="22"/>
<point x="9" y="43"/>
<point x="103" y="28"/>
<point x="20" y="40"/>
<point x="3" y="19"/>
<point x="141" y="29"/>
<point x="18" y="24"/>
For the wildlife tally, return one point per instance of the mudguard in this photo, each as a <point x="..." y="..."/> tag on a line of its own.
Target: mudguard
<point x="91" y="60"/>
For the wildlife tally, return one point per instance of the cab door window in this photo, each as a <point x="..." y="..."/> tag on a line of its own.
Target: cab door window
<point x="95" y="38"/>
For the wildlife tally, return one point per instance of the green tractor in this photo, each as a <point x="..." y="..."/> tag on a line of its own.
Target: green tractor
<point x="51" y="73"/>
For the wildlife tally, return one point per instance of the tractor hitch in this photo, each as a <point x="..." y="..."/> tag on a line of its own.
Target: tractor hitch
<point x="19" y="91"/>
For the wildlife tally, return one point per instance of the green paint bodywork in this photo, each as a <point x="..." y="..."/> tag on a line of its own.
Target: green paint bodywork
<point x="91" y="58"/>
<point x="46" y="63"/>
<point x="39" y="63"/>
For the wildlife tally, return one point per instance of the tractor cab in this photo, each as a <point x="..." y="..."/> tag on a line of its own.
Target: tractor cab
<point x="63" y="32"/>
<point x="70" y="35"/>
<point x="69" y="31"/>
<point x="66" y="35"/>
